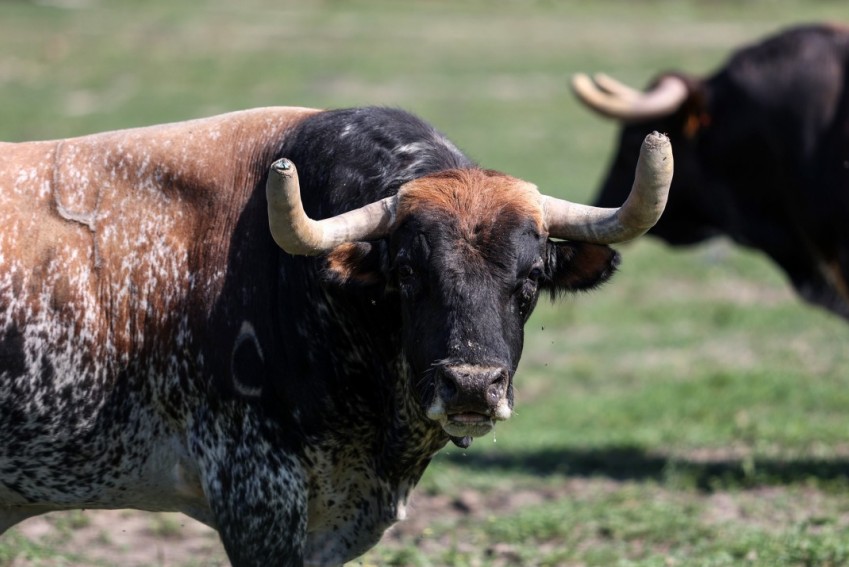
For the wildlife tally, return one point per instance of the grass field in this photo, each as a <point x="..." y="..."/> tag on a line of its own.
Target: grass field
<point x="691" y="412"/>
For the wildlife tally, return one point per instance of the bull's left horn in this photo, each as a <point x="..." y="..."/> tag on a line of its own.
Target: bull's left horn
<point x="298" y="234"/>
<point x="637" y="215"/>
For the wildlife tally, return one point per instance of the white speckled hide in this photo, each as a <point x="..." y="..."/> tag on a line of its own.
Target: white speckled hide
<point x="113" y="251"/>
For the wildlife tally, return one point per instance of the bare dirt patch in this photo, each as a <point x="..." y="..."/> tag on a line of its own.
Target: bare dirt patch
<point x="131" y="538"/>
<point x="120" y="537"/>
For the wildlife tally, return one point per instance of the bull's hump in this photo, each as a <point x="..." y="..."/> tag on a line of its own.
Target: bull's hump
<point x="209" y="152"/>
<point x="103" y="210"/>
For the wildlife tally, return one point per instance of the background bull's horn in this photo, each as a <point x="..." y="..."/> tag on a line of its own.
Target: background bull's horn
<point x="639" y="213"/>
<point x="611" y="98"/>
<point x="296" y="233"/>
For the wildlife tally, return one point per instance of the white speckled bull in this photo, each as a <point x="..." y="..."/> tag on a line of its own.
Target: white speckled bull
<point x="173" y="339"/>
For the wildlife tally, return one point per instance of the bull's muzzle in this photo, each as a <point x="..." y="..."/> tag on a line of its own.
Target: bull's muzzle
<point x="469" y="399"/>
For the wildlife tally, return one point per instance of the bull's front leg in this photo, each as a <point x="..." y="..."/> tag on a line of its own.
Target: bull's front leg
<point x="258" y="498"/>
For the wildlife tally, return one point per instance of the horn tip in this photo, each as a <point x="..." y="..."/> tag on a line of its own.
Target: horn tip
<point x="282" y="165"/>
<point x="656" y="140"/>
<point x="580" y="80"/>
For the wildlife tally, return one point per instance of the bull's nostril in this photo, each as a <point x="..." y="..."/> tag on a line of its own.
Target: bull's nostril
<point x="476" y="388"/>
<point x="498" y="381"/>
<point x="447" y="387"/>
<point x="498" y="378"/>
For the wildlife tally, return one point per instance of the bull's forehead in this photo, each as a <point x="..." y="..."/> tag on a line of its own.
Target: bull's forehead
<point x="476" y="199"/>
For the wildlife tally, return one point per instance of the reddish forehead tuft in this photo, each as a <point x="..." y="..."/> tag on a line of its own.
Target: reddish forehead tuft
<point x="472" y="197"/>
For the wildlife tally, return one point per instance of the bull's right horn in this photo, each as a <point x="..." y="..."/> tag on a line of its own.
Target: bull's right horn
<point x="296" y="233"/>
<point x="611" y="98"/>
<point x="637" y="215"/>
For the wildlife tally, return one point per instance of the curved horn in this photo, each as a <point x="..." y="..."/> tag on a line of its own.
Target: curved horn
<point x="611" y="98"/>
<point x="296" y="233"/>
<point x="614" y="87"/>
<point x="639" y="213"/>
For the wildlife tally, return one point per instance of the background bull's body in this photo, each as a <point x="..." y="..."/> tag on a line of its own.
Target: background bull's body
<point x="159" y="351"/>
<point x="762" y="150"/>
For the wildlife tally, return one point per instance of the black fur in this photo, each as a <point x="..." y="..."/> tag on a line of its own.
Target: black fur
<point x="347" y="158"/>
<point x="761" y="154"/>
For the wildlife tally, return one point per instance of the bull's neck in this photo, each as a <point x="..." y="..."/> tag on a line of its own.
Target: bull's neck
<point x="378" y="384"/>
<point x="412" y="439"/>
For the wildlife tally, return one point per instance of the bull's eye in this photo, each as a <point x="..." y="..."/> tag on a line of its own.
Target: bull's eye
<point x="527" y="289"/>
<point x="405" y="271"/>
<point x="408" y="279"/>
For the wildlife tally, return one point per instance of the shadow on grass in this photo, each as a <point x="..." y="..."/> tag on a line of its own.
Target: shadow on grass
<point x="634" y="463"/>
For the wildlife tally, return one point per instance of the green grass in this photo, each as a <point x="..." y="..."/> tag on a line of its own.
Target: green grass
<point x="691" y="412"/>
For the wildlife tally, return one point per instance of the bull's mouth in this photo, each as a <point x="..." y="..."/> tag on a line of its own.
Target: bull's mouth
<point x="469" y="399"/>
<point x="462" y="424"/>
<point x="468" y="424"/>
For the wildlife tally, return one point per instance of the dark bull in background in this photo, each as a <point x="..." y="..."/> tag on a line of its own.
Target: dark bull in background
<point x="761" y="154"/>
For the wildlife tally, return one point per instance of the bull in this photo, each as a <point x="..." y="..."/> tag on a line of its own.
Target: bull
<point x="762" y="151"/>
<point x="271" y="320"/>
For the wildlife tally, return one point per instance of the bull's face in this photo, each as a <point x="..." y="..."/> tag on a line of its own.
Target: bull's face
<point x="467" y="261"/>
<point x="469" y="258"/>
<point x="467" y="252"/>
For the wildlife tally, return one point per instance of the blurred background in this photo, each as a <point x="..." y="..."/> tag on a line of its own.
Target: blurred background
<point x="691" y="412"/>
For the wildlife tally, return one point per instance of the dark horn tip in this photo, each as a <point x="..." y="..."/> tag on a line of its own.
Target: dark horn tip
<point x="282" y="165"/>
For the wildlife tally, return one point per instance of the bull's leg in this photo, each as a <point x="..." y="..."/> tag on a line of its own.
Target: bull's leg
<point x="258" y="498"/>
<point x="261" y="519"/>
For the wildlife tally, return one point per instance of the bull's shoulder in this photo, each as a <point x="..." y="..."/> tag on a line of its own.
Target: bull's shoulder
<point x="108" y="225"/>
<point x="203" y="152"/>
<point x="124" y="177"/>
<point x="213" y="148"/>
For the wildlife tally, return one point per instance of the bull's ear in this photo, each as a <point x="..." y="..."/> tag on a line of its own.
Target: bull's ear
<point x="694" y="112"/>
<point x="357" y="263"/>
<point x="575" y="266"/>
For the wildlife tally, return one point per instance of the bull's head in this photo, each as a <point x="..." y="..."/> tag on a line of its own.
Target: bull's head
<point x="469" y="252"/>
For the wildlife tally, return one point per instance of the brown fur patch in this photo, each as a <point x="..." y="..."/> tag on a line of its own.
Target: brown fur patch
<point x="694" y="124"/>
<point x="589" y="265"/>
<point x="476" y="198"/>
<point x="341" y="260"/>
<point x="347" y="263"/>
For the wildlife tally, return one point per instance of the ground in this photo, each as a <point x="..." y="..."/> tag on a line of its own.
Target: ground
<point x="131" y="538"/>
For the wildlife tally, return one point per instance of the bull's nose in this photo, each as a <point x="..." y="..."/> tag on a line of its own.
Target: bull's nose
<point x="474" y="388"/>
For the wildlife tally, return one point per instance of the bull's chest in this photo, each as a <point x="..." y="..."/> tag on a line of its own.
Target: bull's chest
<point x="351" y="503"/>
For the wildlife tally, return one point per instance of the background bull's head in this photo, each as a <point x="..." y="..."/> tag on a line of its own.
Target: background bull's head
<point x="469" y="251"/>
<point x="758" y="155"/>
